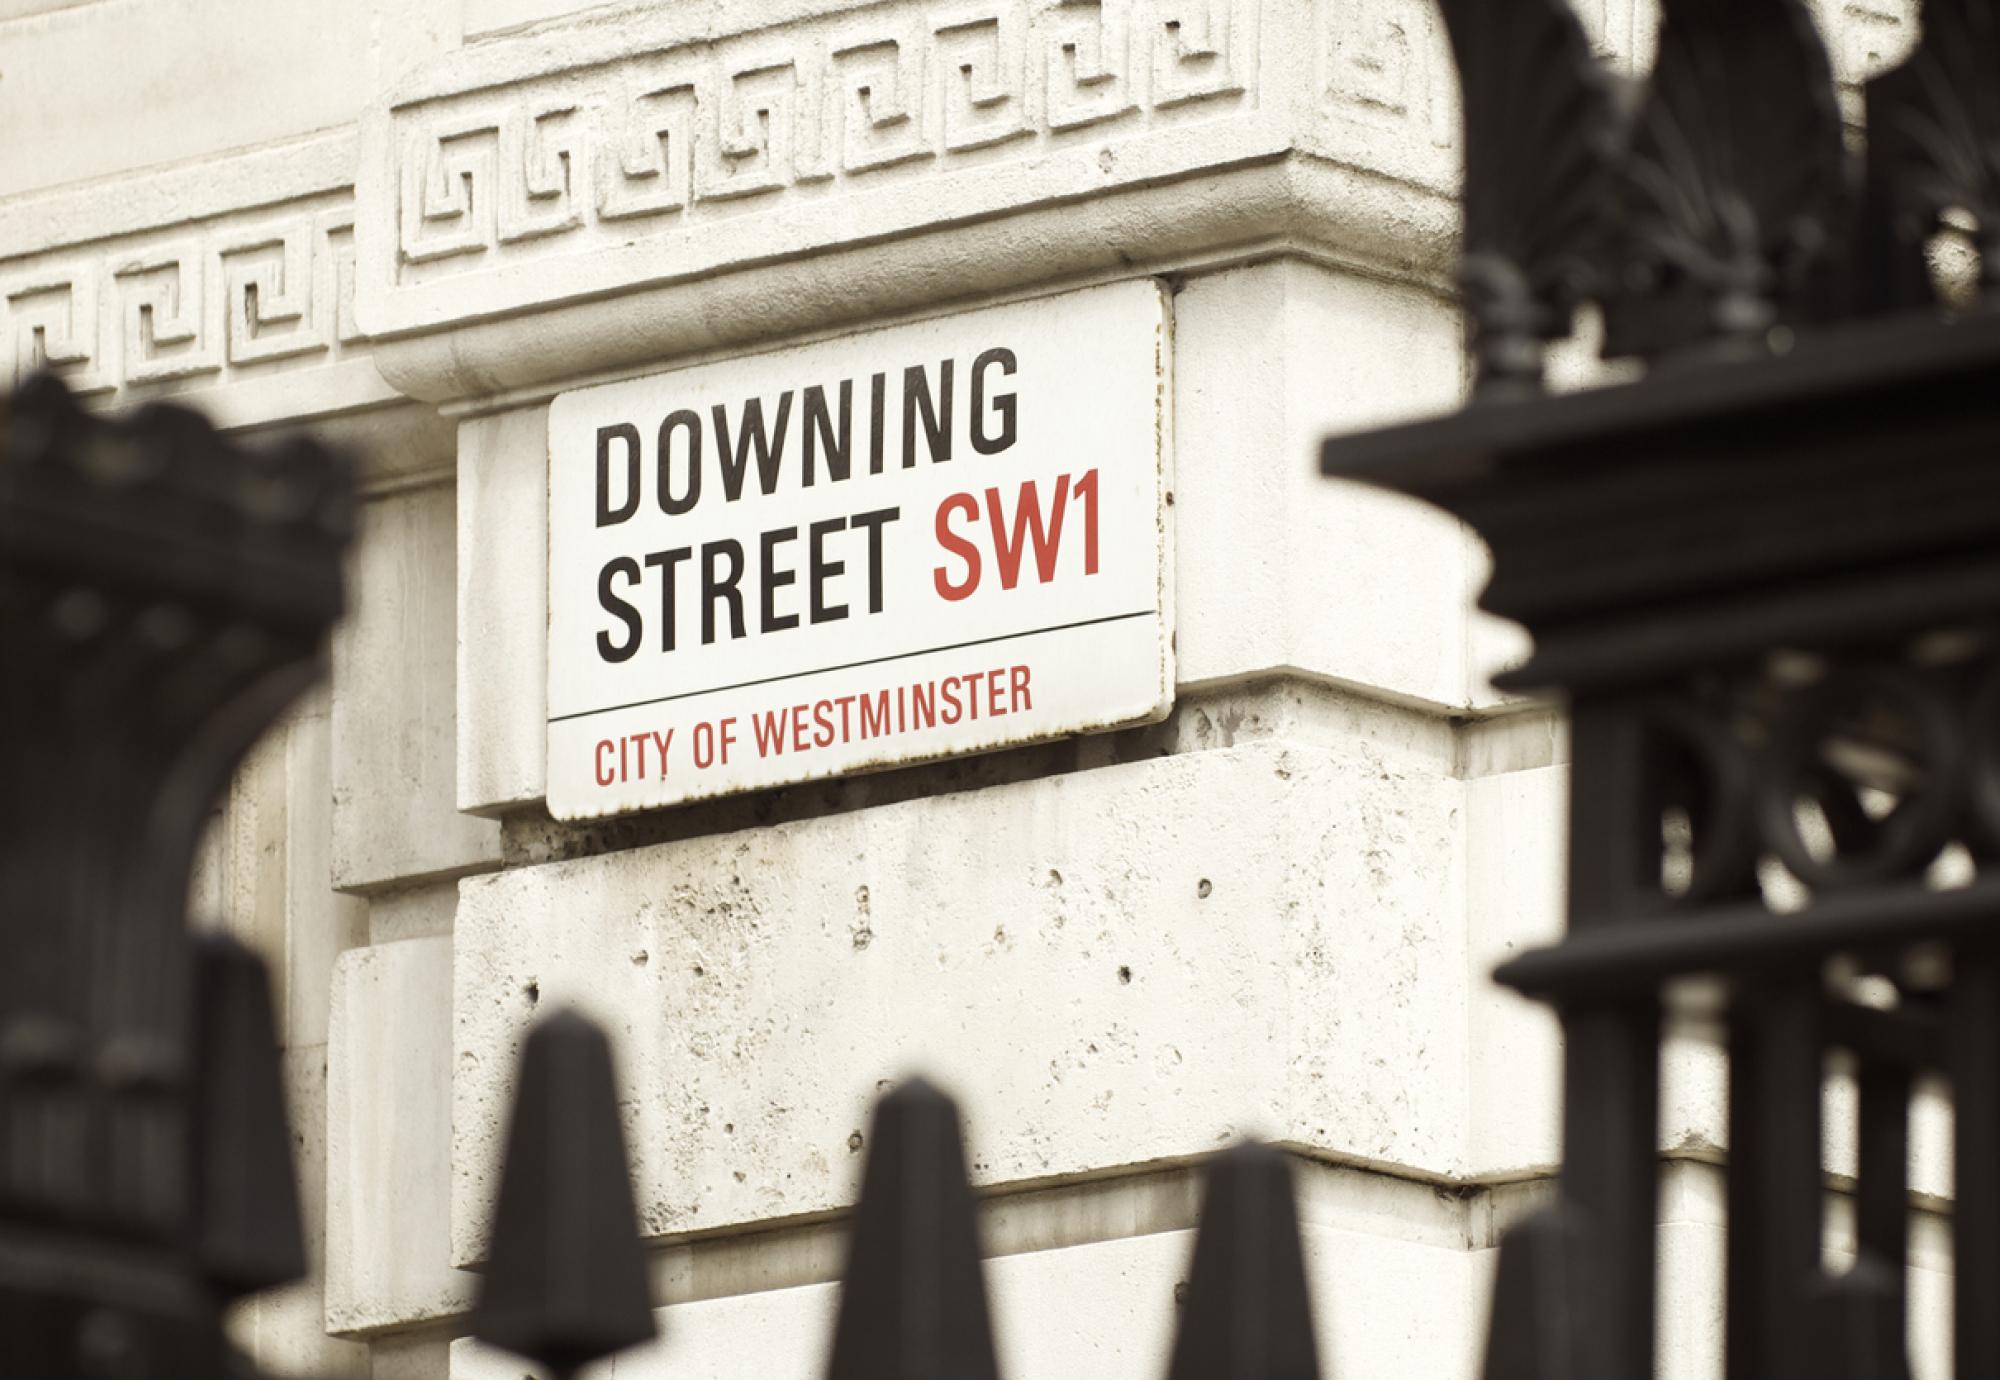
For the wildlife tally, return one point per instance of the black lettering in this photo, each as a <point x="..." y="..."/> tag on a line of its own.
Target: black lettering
<point x="878" y="393"/>
<point x="823" y="569"/>
<point x="736" y="454"/>
<point x="1003" y="403"/>
<point x="686" y="421"/>
<point x="664" y="562"/>
<point x="713" y="589"/>
<point x="619" y="609"/>
<point x="607" y="515"/>
<point x="937" y="414"/>
<point x="819" y="430"/>
<point x="874" y="523"/>
<point x="774" y="579"/>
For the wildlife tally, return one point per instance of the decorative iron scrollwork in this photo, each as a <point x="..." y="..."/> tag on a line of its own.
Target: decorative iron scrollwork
<point x="1537" y="173"/>
<point x="1734" y="183"/>
<point x="1714" y="206"/>
<point x="1764" y="577"/>
<point x="1933" y="149"/>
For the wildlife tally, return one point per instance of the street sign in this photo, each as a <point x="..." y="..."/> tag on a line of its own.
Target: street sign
<point x="932" y="539"/>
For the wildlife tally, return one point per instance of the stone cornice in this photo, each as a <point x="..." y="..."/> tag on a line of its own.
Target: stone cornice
<point x="610" y="178"/>
<point x="228" y="283"/>
<point x="636" y="186"/>
<point x="502" y="192"/>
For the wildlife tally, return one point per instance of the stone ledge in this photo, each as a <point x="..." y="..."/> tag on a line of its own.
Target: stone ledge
<point x="534" y="181"/>
<point x="1245" y="213"/>
<point x="1383" y="1308"/>
<point x="649" y="184"/>
<point x="1291" y="707"/>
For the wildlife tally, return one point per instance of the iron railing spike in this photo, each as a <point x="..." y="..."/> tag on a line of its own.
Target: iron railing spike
<point x="1248" y="1314"/>
<point x="1856" y="1324"/>
<point x="913" y="1302"/>
<point x="1536" y="1330"/>
<point x="566" y="1281"/>
<point x="248" y="1234"/>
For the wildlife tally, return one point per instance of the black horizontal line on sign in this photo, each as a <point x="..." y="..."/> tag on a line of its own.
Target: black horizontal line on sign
<point x="851" y="665"/>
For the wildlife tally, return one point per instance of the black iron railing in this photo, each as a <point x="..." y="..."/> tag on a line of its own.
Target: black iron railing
<point x="1765" y="580"/>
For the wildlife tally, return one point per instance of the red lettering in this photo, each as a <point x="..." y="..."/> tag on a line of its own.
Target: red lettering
<point x="875" y="715"/>
<point x="1086" y="489"/>
<point x="1019" y="678"/>
<point x="823" y="716"/>
<point x="798" y="728"/>
<point x="948" y="691"/>
<point x="604" y="776"/>
<point x="769" y="730"/>
<point x="1007" y="551"/>
<point x="957" y="546"/>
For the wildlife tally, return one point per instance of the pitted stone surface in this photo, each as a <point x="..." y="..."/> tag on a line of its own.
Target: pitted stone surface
<point x="1117" y="967"/>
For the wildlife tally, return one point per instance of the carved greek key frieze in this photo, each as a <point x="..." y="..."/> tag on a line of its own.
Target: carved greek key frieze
<point x="171" y="328"/>
<point x="646" y="163"/>
<point x="875" y="104"/>
<point x="1386" y="87"/>
<point x="1198" y="55"/>
<point x="1387" y="58"/>
<point x="646" y="142"/>
<point x="52" y="323"/>
<point x="981" y="75"/>
<point x="1089" y="57"/>
<point x="179" y="309"/>
<point x="756" y="114"/>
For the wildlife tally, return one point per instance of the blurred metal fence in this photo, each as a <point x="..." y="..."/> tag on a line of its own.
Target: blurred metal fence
<point x="1764" y="577"/>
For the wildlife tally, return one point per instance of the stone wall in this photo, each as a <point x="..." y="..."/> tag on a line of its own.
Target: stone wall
<point x="411" y="225"/>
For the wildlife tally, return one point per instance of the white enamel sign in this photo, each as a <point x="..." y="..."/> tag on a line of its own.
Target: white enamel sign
<point x="938" y="538"/>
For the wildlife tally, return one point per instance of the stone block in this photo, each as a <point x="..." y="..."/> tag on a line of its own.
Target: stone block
<point x="264" y="872"/>
<point x="323" y="923"/>
<point x="1113" y="967"/>
<point x="418" y="912"/>
<point x="503" y="601"/>
<point x="1514" y="889"/>
<point x="395" y="799"/>
<point x="285" y="1329"/>
<point x="1278" y="568"/>
<point x="389" y="1141"/>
